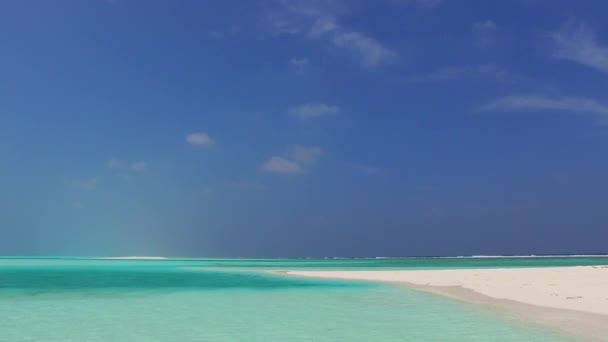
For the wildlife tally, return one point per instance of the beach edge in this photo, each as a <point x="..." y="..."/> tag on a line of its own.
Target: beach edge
<point x="580" y="325"/>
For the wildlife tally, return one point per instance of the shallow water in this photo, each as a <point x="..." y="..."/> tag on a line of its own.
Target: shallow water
<point x="92" y="300"/>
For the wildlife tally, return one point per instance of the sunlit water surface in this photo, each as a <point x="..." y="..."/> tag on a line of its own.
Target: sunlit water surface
<point x="63" y="300"/>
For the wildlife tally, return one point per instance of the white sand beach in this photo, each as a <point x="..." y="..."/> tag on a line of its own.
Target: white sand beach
<point x="571" y="300"/>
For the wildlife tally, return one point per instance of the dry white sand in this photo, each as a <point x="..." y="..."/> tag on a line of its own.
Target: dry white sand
<point x="571" y="300"/>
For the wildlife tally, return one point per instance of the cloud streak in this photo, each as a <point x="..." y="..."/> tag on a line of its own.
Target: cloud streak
<point x="371" y="52"/>
<point x="317" y="20"/>
<point x="199" y="139"/>
<point x="578" y="44"/>
<point x="577" y="105"/>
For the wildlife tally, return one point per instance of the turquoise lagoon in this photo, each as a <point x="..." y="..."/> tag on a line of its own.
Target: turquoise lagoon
<point x="79" y="299"/>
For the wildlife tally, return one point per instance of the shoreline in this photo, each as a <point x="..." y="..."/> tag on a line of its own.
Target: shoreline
<point x="571" y="301"/>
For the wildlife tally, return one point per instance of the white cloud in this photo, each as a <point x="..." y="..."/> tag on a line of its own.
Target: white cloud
<point x="281" y="165"/>
<point x="313" y="110"/>
<point x="565" y="104"/>
<point x="322" y="26"/>
<point x="304" y="154"/>
<point x="317" y="20"/>
<point x="370" y="51"/>
<point x="299" y="64"/>
<point x="485" y="32"/>
<point x="578" y="44"/>
<point x="84" y="184"/>
<point x="199" y="139"/>
<point x="295" y="160"/>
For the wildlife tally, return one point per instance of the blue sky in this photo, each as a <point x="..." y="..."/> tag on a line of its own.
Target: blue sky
<point x="303" y="128"/>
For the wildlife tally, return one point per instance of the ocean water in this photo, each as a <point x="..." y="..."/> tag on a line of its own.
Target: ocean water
<point x="63" y="300"/>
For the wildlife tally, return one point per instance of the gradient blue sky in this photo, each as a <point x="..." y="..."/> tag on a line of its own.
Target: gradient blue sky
<point x="303" y="128"/>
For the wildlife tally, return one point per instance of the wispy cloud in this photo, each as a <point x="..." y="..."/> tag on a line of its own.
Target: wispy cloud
<point x="371" y="52"/>
<point x="313" y="110"/>
<point x="485" y="32"/>
<point x="295" y="160"/>
<point x="576" y="105"/>
<point x="577" y="43"/>
<point x="485" y="73"/>
<point x="317" y="20"/>
<point x="281" y="165"/>
<point x="199" y="139"/>
<point x="121" y="165"/>
<point x="299" y="64"/>
<point x="88" y="184"/>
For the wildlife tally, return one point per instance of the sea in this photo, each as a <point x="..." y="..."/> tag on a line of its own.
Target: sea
<point x="132" y="300"/>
